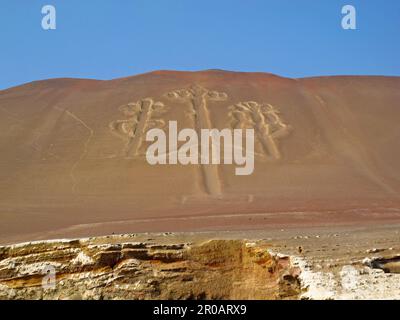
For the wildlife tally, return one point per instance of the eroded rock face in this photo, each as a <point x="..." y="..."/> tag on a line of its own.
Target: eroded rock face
<point x="388" y="265"/>
<point x="120" y="268"/>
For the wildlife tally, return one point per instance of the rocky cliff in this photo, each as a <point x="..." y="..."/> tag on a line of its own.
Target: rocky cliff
<point x="122" y="268"/>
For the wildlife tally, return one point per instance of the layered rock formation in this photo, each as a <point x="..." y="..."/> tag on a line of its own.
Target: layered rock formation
<point x="121" y="268"/>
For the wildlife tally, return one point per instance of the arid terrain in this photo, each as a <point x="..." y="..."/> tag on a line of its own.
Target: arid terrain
<point x="73" y="154"/>
<point x="307" y="263"/>
<point x="320" y="213"/>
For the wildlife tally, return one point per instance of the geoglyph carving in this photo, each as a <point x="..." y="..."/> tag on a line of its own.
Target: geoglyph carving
<point x="141" y="116"/>
<point x="144" y="115"/>
<point x="265" y="120"/>
<point x="198" y="98"/>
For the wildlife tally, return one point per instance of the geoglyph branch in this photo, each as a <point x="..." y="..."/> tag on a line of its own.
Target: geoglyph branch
<point x="198" y="98"/>
<point x="141" y="116"/>
<point x="266" y="121"/>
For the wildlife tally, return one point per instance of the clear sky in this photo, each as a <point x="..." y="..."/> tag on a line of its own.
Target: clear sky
<point x="105" y="39"/>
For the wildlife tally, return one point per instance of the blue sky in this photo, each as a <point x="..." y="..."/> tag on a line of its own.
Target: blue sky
<point x="105" y="39"/>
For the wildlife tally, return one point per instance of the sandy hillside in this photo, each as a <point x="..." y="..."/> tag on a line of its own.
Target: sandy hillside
<point x="72" y="154"/>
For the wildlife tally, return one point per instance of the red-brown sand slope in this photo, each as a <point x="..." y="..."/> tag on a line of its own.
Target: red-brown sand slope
<point x="72" y="153"/>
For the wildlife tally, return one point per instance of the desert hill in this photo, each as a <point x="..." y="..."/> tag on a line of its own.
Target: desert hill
<point x="72" y="154"/>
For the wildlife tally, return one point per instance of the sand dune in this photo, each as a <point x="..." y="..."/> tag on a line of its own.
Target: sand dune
<point x="73" y="152"/>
